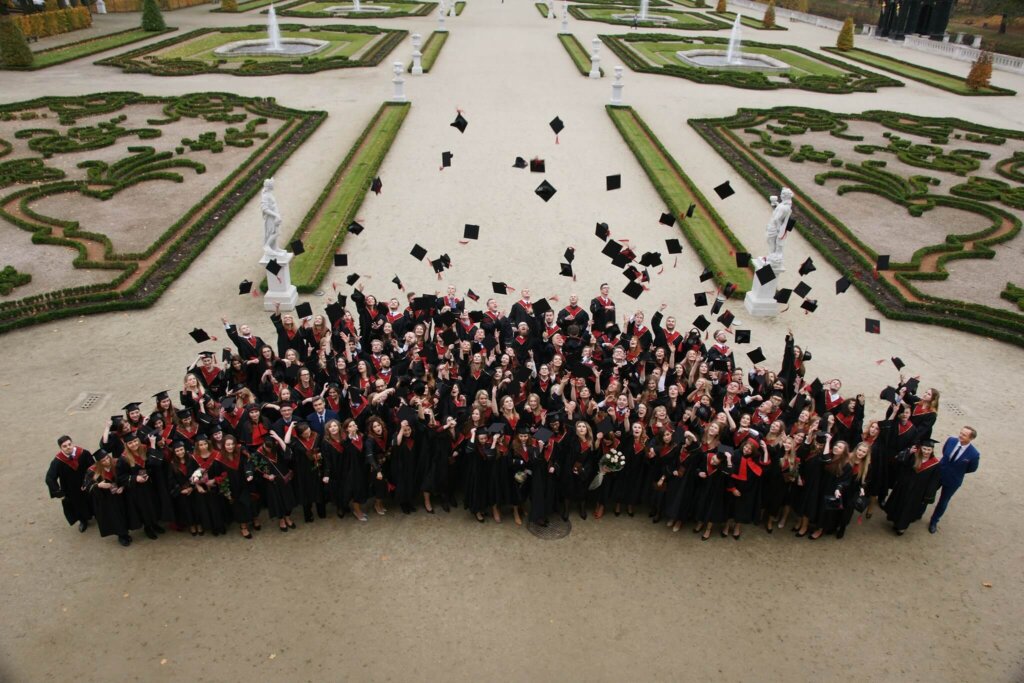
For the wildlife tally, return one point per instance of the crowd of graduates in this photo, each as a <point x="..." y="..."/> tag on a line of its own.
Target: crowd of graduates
<point x="424" y="404"/>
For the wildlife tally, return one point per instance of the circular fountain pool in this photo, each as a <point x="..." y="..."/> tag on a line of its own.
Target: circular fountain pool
<point x="656" y="18"/>
<point x="290" y="47"/>
<point x="719" y="60"/>
<point x="352" y="9"/>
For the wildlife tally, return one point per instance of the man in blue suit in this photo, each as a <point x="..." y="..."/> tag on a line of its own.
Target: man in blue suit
<point x="959" y="457"/>
<point x="320" y="415"/>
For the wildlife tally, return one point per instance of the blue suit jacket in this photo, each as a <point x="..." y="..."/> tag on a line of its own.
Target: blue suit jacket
<point x="952" y="473"/>
<point x="316" y="425"/>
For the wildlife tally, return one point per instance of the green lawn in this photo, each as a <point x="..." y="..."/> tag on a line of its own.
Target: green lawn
<point x="752" y="22"/>
<point x="431" y="49"/>
<point x="542" y="8"/>
<point x="706" y="231"/>
<point x="246" y="6"/>
<point x="663" y="53"/>
<point x="66" y="53"/>
<point x="683" y="20"/>
<point x="459" y="6"/>
<point x="938" y="79"/>
<point x="691" y="3"/>
<point x="342" y="44"/>
<point x="313" y="9"/>
<point x="580" y="56"/>
<point x="324" y="228"/>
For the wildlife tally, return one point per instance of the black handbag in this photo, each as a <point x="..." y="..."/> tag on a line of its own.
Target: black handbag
<point x="861" y="504"/>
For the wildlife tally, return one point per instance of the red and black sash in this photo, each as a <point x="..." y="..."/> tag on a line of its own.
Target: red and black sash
<point x="71" y="462"/>
<point x="747" y="463"/>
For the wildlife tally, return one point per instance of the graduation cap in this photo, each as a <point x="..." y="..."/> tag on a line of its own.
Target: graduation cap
<point x="872" y="326"/>
<point x="304" y="310"/>
<point x="810" y="305"/>
<point x="888" y="394"/>
<point x="620" y="260"/>
<point x="898" y="362"/>
<point x="128" y="407"/>
<point x="611" y="249"/>
<point x="545" y="191"/>
<point x="765" y="274"/>
<point x="673" y="246"/>
<point x="544" y="434"/>
<point x="602" y="231"/>
<point x="728" y="290"/>
<point x="496" y="428"/>
<point x="199" y="335"/>
<point x="724" y="191"/>
<point x="160" y="395"/>
<point x="446" y="318"/>
<point x="802" y="289"/>
<point x="633" y="290"/>
<point x="569" y="255"/>
<point x="807" y="266"/>
<point x="536" y="165"/>
<point x="297" y="247"/>
<point x="612" y="330"/>
<point x="438" y="265"/>
<point x="701" y="323"/>
<point x="423" y="302"/>
<point x="842" y="284"/>
<point x="471" y="232"/>
<point x="244" y="287"/>
<point x="351" y="279"/>
<point x="477" y="316"/>
<point x="557" y="126"/>
<point x="882" y="262"/>
<point x="449" y="337"/>
<point x="355" y="227"/>
<point x="700" y="299"/>
<point x="651" y="259"/>
<point x="726" y="318"/>
<point x="472" y="295"/>
<point x="689" y="210"/>
<point x="499" y="287"/>
<point x="613" y="182"/>
<point x="565" y="269"/>
<point x="341" y="260"/>
<point x="397" y="281"/>
<point x="206" y="354"/>
<point x="815" y="386"/>
<point x="782" y="296"/>
<point x="376" y="186"/>
<point x="334" y="311"/>
<point x="667" y="219"/>
<point x="911" y="385"/>
<point x="742" y="259"/>
<point x="446" y="159"/>
<point x="756" y="356"/>
<point x="273" y="267"/>
<point x="706" y="275"/>
<point x="418" y="252"/>
<point x="742" y="336"/>
<point x="541" y="307"/>
<point x="519" y="163"/>
<point x="632" y="273"/>
<point x="460" y="122"/>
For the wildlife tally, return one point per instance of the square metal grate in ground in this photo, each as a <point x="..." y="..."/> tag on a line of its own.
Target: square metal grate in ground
<point x="555" y="529"/>
<point x="954" y="408"/>
<point x="87" y="401"/>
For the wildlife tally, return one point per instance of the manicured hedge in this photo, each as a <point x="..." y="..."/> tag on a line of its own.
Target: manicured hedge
<point x="578" y="53"/>
<point x="287" y="10"/>
<point x="432" y="50"/>
<point x="54" y="22"/>
<point x="707" y="22"/>
<point x="89" y="46"/>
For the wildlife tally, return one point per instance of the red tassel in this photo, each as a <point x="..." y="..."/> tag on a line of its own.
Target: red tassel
<point x="463" y="242"/>
<point x="556" y="139"/>
<point x="553" y="297"/>
<point x="675" y="262"/>
<point x="879" y="362"/>
<point x="255" y="294"/>
<point x="661" y="270"/>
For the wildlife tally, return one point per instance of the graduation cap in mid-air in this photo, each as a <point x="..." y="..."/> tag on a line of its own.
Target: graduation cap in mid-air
<point x="613" y="182"/>
<point x="398" y="282"/>
<point x="352" y="279"/>
<point x="872" y="326"/>
<point x="650" y="259"/>
<point x="545" y="191"/>
<point x="882" y="262"/>
<point x="199" y="335"/>
<point x="472" y="295"/>
<point x="742" y="336"/>
<point x="355" y="227"/>
<point x="418" y="252"/>
<point x="689" y="210"/>
<point x="570" y="254"/>
<point x="297" y="247"/>
<point x="842" y="284"/>
<point x="341" y="260"/>
<point x="471" y="232"/>
<point x="700" y="299"/>
<point x="519" y="163"/>
<point x="335" y="310"/>
<point x="632" y="272"/>
<point x="438" y="265"/>
<point x="765" y="274"/>
<point x="611" y="249"/>
<point x="565" y="269"/>
<point x="304" y="310"/>
<point x="500" y="287"/>
<point x="673" y="246"/>
<point x="782" y="296"/>
<point x="810" y="305"/>
<point x="537" y="165"/>
<point x="701" y="323"/>
<point x="706" y="275"/>
<point x="541" y="307"/>
<point x="557" y="126"/>
<point x="667" y="219"/>
<point x="273" y="267"/>
<point x="244" y="287"/>
<point x="446" y="159"/>
<point x="724" y="191"/>
<point x="807" y="266"/>
<point x="633" y="290"/>
<point x="602" y="231"/>
<point x="756" y="356"/>
<point x="459" y="123"/>
<point x="742" y="259"/>
<point x="377" y="185"/>
<point x="898" y="362"/>
<point x="802" y="289"/>
<point x="726" y="318"/>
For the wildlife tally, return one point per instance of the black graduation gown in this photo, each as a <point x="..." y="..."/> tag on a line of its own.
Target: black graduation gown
<point x="66" y="479"/>
<point x="207" y="504"/>
<point x="915" y="489"/>
<point x="440" y="446"/>
<point x="711" y="488"/>
<point x="543" y="484"/>
<point x="338" y="488"/>
<point x="773" y="482"/>
<point x="237" y="500"/>
<point x="357" y="476"/>
<point x="898" y="439"/>
<point x="406" y="467"/>
<point x="379" y="460"/>
<point x="681" y="484"/>
<point x="877" y="481"/>
<point x="809" y="500"/>
<point x="626" y="489"/>
<point x="479" y="461"/>
<point x="140" y="498"/>
<point x="830" y="520"/>
<point x="157" y="468"/>
<point x="177" y="478"/>
<point x="277" y="493"/>
<point x="309" y="469"/>
<point x="579" y="465"/>
<point x="745" y="479"/>
<point x="110" y="508"/>
<point x="923" y="422"/>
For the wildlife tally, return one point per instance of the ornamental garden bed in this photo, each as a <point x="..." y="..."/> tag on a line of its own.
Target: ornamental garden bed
<point x="749" y="22"/>
<point x="431" y="50"/>
<point x="193" y="53"/>
<point x="934" y="194"/>
<point x="656" y="53"/>
<point x="579" y="55"/>
<point x="245" y="6"/>
<point x="84" y="48"/>
<point x="690" y="21"/>
<point x="322" y="10"/>
<point x="106" y="198"/>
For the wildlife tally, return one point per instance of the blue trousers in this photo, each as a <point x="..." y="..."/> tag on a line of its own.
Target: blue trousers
<point x="940" y="507"/>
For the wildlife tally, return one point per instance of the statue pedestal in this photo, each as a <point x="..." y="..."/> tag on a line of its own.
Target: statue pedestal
<point x="760" y="300"/>
<point x="100" y="7"/>
<point x="280" y="289"/>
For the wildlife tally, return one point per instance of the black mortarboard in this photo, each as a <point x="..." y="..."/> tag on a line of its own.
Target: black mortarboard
<point x="651" y="259"/>
<point x="449" y="337"/>
<point x="620" y="260"/>
<point x="602" y="231"/>
<point x="728" y="290"/>
<point x="496" y="428"/>
<point x="160" y="395"/>
<point x="471" y="232"/>
<point x="673" y="246"/>
<point x="612" y="330"/>
<point x="297" y="247"/>
<point x="423" y="302"/>
<point x="206" y="354"/>
<point x="544" y="434"/>
<point x="565" y="269"/>
<point x="244" y="287"/>
<point x="541" y="307"/>
<point x="273" y="267"/>
<point x="545" y="190"/>
<point x="418" y="252"/>
<point x="717" y="306"/>
<point x="304" y="310"/>
<point x="701" y="323"/>
<point x="706" y="275"/>
<point x="888" y="394"/>
<point x="477" y="316"/>
<point x="128" y="407"/>
<point x="499" y="287"/>
<point x="802" y="289"/>
<point x="719" y="363"/>
<point x="790" y="224"/>
<point x="765" y="274"/>
<point x="438" y="265"/>
<point x="726" y="318"/>
<point x="519" y="163"/>
<point x="633" y="290"/>
<point x="334" y="311"/>
<point x="911" y="385"/>
<point x="810" y="305"/>
<point x="472" y="295"/>
<point x="782" y="296"/>
<point x="742" y="336"/>
<point x="667" y="219"/>
<point x="612" y="249"/>
<point x="556" y="125"/>
<point x="199" y="335"/>
<point x="882" y="262"/>
<point x="807" y="266"/>
<point x="460" y="122"/>
<point x="815" y="386"/>
<point x="446" y="159"/>
<point x="742" y="259"/>
<point x="842" y="284"/>
<point x="632" y="273"/>
<point x="724" y="191"/>
<point x="398" y="281"/>
<point x="182" y="413"/>
<point x="689" y="210"/>
<point x="613" y="182"/>
<point x="898" y="362"/>
<point x="376" y="186"/>
<point x="341" y="260"/>
<point x="351" y="279"/>
<point x="569" y="255"/>
<point x="700" y="299"/>
<point x="872" y="326"/>
<point x="355" y="227"/>
<point x="756" y="356"/>
<point x="446" y="318"/>
<point x="228" y="403"/>
<point x="537" y="165"/>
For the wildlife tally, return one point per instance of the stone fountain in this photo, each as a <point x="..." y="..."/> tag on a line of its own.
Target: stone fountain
<point x="645" y="15"/>
<point x="274" y="45"/>
<point x="356" y="7"/>
<point x="733" y="57"/>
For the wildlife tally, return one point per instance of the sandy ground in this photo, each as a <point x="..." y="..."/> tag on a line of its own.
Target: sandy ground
<point x="445" y="598"/>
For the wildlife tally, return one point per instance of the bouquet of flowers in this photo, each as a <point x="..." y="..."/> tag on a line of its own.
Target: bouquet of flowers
<point x="612" y="461"/>
<point x="197" y="476"/>
<point x="521" y="476"/>
<point x="224" y="486"/>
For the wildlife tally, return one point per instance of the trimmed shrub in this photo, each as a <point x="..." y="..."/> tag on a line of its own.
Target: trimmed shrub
<point x="845" y="39"/>
<point x="981" y="71"/>
<point x="229" y="5"/>
<point x="152" y="19"/>
<point x="769" y="15"/>
<point x="13" y="47"/>
<point x="720" y="7"/>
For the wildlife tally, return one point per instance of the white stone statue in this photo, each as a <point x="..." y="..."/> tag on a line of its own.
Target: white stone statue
<point x="775" y="232"/>
<point x="271" y="219"/>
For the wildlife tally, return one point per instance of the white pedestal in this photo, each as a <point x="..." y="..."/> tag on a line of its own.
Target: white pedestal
<point x="595" y="59"/>
<point x="441" y="28"/>
<point x="760" y="300"/>
<point x="100" y="7"/>
<point x="398" y="82"/>
<point x="617" y="86"/>
<point x="280" y="289"/>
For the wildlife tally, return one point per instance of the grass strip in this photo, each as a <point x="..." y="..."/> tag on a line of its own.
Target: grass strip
<point x="459" y="6"/>
<point x="431" y="49"/>
<point x="578" y="53"/>
<point x="706" y="232"/>
<point x="752" y="22"/>
<point x="90" y="46"/>
<point x="542" y="8"/>
<point x="324" y="228"/>
<point x="245" y="6"/>
<point x="921" y="74"/>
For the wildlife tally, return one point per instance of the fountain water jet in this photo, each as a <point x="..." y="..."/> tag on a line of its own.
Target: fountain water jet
<point x="273" y="31"/>
<point x="733" y="54"/>
<point x="274" y="45"/>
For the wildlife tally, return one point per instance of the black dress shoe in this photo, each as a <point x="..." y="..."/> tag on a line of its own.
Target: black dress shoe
<point x="283" y="528"/>
<point x="150" y="534"/>
<point x="194" y="533"/>
<point x="630" y="514"/>
<point x="159" y="529"/>
<point x="308" y="519"/>
<point x="656" y="519"/>
<point x="125" y="541"/>
<point x="444" y="506"/>
<point x="565" y="518"/>
<point x="291" y="525"/>
<point x="933" y="527"/>
<point x="82" y="526"/>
